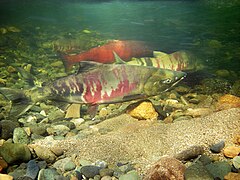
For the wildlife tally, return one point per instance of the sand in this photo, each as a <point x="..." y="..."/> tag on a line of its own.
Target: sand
<point x="144" y="142"/>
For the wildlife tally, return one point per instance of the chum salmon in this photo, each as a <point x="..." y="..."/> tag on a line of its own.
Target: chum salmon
<point x="125" y="49"/>
<point x="97" y="83"/>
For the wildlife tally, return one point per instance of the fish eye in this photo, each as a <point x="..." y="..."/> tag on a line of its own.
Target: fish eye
<point x="167" y="81"/>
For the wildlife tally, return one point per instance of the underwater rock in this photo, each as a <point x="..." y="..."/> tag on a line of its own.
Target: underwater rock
<point x="90" y="171"/>
<point x="216" y="148"/>
<point x="3" y="30"/>
<point x="228" y="101"/>
<point x="32" y="169"/>
<point x="6" y="128"/>
<point x="232" y="176"/>
<point x="73" y="111"/>
<point x="197" y="171"/>
<point x="219" y="169"/>
<point x="236" y="162"/>
<point x="45" y="174"/>
<point x="166" y="168"/>
<point x="231" y="151"/>
<point x="64" y="165"/>
<point x="3" y="164"/>
<point x="45" y="154"/>
<point x="15" y="152"/>
<point x="6" y="177"/>
<point x="130" y="175"/>
<point x="59" y="130"/>
<point x="190" y="153"/>
<point x="106" y="172"/>
<point x="198" y="112"/>
<point x="143" y="111"/>
<point x="20" y="136"/>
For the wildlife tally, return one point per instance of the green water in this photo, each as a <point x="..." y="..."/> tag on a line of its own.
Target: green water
<point x="210" y="31"/>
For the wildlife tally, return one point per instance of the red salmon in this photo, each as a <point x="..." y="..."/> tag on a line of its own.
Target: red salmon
<point x="104" y="54"/>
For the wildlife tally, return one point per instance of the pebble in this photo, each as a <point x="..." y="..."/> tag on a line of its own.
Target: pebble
<point x="5" y="177"/>
<point x="131" y="175"/>
<point x="15" y="152"/>
<point x="101" y="164"/>
<point x="58" y="130"/>
<point x="32" y="169"/>
<point x="198" y="112"/>
<point x="197" y="171"/>
<point x="143" y="111"/>
<point x="57" y="151"/>
<point x="106" y="178"/>
<point x="47" y="174"/>
<point x="232" y="176"/>
<point x="64" y="165"/>
<point x="106" y="172"/>
<point x="84" y="162"/>
<point x="90" y="171"/>
<point x="216" y="148"/>
<point x="45" y="154"/>
<point x="231" y="151"/>
<point x="166" y="168"/>
<point x="236" y="162"/>
<point x="6" y="128"/>
<point x="190" y="153"/>
<point x="219" y="169"/>
<point x="20" y="136"/>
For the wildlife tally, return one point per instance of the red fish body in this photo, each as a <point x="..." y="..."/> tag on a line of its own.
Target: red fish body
<point x="104" y="54"/>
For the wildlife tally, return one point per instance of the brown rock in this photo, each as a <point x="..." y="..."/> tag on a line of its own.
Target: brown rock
<point x="231" y="151"/>
<point x="198" y="112"/>
<point x="166" y="168"/>
<point x="144" y="110"/>
<point x="3" y="164"/>
<point x="5" y="177"/>
<point x="232" y="176"/>
<point x="228" y="101"/>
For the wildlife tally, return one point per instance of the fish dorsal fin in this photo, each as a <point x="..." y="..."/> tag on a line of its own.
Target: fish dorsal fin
<point x="159" y="54"/>
<point x="85" y="66"/>
<point x="118" y="60"/>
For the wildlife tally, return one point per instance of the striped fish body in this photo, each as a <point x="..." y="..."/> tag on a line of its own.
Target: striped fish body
<point x="177" y="61"/>
<point x="98" y="83"/>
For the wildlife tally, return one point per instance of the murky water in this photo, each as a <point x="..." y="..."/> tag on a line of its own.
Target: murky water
<point x="211" y="32"/>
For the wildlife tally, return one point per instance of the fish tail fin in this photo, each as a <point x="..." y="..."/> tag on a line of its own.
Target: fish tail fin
<point x="67" y="60"/>
<point x="20" y="103"/>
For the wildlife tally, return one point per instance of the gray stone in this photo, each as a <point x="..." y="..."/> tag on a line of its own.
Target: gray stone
<point x="90" y="171"/>
<point x="32" y="169"/>
<point x="236" y="162"/>
<point x="64" y="165"/>
<point x="47" y="174"/>
<point x="131" y="175"/>
<point x="6" y="128"/>
<point x="15" y="152"/>
<point x="216" y="148"/>
<point x="219" y="169"/>
<point x="59" y="130"/>
<point x="197" y="171"/>
<point x="20" y="136"/>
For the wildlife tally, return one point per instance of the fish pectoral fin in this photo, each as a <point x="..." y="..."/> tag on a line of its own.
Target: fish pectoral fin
<point x="86" y="66"/>
<point x="118" y="60"/>
<point x="159" y="54"/>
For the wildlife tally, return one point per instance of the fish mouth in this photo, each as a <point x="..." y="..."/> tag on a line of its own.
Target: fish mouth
<point x="181" y="78"/>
